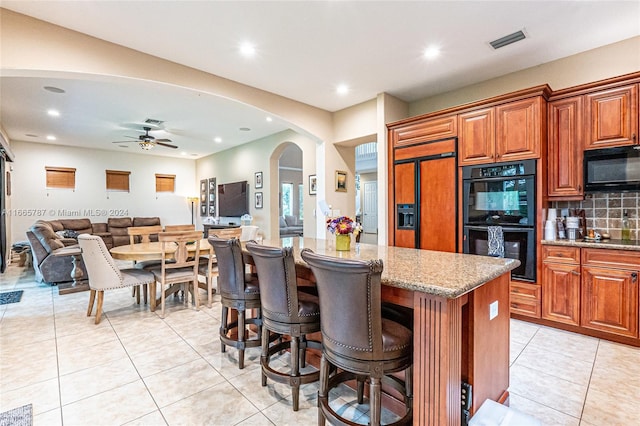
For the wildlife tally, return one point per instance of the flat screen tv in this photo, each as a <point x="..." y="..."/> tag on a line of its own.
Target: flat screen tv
<point x="233" y="199"/>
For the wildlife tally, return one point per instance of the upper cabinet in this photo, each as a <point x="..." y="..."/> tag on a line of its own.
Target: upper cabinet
<point x="612" y="117"/>
<point x="506" y="132"/>
<point x="565" y="149"/>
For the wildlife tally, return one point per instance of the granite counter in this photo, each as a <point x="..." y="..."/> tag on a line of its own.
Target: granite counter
<point x="633" y="245"/>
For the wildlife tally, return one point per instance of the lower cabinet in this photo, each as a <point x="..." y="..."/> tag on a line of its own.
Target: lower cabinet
<point x="594" y="289"/>
<point x="610" y="300"/>
<point x="525" y="299"/>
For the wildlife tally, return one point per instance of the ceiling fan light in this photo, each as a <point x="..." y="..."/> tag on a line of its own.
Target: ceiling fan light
<point x="146" y="145"/>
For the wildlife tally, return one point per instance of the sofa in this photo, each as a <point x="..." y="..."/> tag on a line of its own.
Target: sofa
<point x="290" y="226"/>
<point x="47" y="236"/>
<point x="44" y="242"/>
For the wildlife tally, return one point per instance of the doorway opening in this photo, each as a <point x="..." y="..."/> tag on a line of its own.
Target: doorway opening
<point x="291" y="192"/>
<point x="367" y="191"/>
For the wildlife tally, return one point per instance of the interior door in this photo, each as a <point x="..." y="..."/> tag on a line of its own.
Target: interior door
<point x="370" y="208"/>
<point x="3" y="223"/>
<point x="438" y="204"/>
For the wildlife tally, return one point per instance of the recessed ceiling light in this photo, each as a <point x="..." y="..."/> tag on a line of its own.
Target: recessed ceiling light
<point x="432" y="52"/>
<point x="244" y="129"/>
<point x="269" y="119"/>
<point x="53" y="113"/>
<point x="194" y="155"/>
<point x="217" y="139"/>
<point x="51" y="138"/>
<point x="31" y="135"/>
<point x="247" y="49"/>
<point x="183" y="153"/>
<point x="53" y="89"/>
<point x="342" y="89"/>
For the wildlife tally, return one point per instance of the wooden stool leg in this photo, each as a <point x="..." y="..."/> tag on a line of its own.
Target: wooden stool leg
<point x="264" y="358"/>
<point x="223" y="327"/>
<point x="241" y="332"/>
<point x="375" y="401"/>
<point x="295" y="371"/>
<point x="360" y="389"/>
<point x="324" y="384"/>
<point x="145" y="289"/>
<point x="136" y="290"/>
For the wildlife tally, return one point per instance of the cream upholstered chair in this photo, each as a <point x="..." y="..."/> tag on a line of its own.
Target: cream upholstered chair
<point x="179" y="267"/>
<point x="178" y="228"/>
<point x="249" y="232"/>
<point x="104" y="274"/>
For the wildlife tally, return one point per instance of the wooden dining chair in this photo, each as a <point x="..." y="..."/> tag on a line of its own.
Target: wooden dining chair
<point x="177" y="267"/>
<point x="208" y="268"/>
<point x="142" y="234"/>
<point x="226" y="233"/>
<point x="179" y="228"/>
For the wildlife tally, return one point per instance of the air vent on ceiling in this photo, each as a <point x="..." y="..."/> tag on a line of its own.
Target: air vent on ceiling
<point x="508" y="39"/>
<point x="153" y="121"/>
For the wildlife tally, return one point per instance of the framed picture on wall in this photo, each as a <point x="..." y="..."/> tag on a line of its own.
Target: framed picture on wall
<point x="258" y="200"/>
<point x="341" y="181"/>
<point x="313" y="184"/>
<point x="258" y="180"/>
<point x="203" y="209"/>
<point x="204" y="191"/>
<point x="211" y="200"/>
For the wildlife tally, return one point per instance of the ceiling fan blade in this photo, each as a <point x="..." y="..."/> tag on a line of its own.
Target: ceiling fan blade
<point x="163" y="140"/>
<point x="124" y="141"/>
<point x="132" y="137"/>
<point x="167" y="145"/>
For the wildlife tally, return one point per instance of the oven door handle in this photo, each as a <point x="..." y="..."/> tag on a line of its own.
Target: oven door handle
<point x="497" y="178"/>
<point x="504" y="228"/>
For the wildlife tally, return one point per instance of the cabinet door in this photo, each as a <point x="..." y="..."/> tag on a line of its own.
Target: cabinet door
<point x="561" y="292"/>
<point x="438" y="204"/>
<point x="612" y="117"/>
<point x="518" y="130"/>
<point x="477" y="137"/>
<point x="610" y="300"/>
<point x="405" y="193"/>
<point x="565" y="147"/>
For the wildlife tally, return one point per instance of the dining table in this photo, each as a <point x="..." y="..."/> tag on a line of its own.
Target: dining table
<point x="141" y="252"/>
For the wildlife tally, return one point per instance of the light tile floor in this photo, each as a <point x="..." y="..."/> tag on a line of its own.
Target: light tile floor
<point x="135" y="368"/>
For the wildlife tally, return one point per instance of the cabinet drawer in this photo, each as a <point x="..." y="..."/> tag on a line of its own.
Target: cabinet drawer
<point x="560" y="254"/>
<point x="525" y="291"/>
<point x="524" y="306"/>
<point x="624" y="259"/>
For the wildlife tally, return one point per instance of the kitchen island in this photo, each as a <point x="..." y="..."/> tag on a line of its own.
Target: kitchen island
<point x="461" y="320"/>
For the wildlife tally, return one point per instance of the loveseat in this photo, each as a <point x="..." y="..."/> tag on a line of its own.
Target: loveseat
<point x="290" y="226"/>
<point x="47" y="236"/>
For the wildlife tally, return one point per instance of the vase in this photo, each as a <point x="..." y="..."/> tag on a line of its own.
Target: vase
<point x="343" y="242"/>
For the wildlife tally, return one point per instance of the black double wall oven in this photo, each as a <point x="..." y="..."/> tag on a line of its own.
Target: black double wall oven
<point x="502" y="195"/>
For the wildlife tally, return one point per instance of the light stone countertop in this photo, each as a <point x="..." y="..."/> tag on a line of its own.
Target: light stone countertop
<point x="448" y="275"/>
<point x="633" y="245"/>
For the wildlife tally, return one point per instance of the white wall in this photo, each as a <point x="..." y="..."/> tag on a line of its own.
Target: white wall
<point x="242" y="162"/>
<point x="90" y="199"/>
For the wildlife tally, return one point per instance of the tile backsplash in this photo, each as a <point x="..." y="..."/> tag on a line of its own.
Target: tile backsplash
<point x="604" y="211"/>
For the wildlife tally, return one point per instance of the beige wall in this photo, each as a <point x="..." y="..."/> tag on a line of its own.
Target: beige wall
<point x="90" y="198"/>
<point x="597" y="64"/>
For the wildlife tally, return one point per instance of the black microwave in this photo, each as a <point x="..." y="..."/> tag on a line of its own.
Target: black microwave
<point x="612" y="169"/>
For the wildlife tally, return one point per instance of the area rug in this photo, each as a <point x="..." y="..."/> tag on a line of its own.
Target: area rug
<point x="21" y="416"/>
<point x="10" y="297"/>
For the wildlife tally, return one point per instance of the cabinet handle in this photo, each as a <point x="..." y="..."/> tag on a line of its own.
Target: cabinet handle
<point x="575" y="273"/>
<point x="579" y="187"/>
<point x="634" y="138"/>
<point x="634" y="277"/>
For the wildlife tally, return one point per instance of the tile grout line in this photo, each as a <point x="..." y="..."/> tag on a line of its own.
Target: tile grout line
<point x="593" y="366"/>
<point x="55" y="331"/>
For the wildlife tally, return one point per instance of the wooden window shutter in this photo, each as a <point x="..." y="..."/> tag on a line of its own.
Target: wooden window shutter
<point x="165" y="183"/>
<point x="117" y="180"/>
<point x="61" y="177"/>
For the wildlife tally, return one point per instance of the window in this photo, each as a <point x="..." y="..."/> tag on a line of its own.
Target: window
<point x="165" y="183"/>
<point x="287" y="199"/>
<point x="117" y="180"/>
<point x="61" y="177"/>
<point x="300" y="203"/>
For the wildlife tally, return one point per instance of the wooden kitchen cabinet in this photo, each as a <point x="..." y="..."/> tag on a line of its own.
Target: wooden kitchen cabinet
<point x="507" y="132"/>
<point x="561" y="284"/>
<point x="610" y="291"/>
<point x="565" y="148"/>
<point x="612" y="117"/>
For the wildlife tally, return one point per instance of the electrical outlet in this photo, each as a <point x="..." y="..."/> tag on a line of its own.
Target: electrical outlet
<point x="493" y="310"/>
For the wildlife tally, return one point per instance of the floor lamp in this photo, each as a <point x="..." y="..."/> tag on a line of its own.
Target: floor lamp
<point x="193" y="200"/>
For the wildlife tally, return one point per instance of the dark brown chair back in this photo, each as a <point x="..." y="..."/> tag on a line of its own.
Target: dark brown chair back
<point x="350" y="306"/>
<point x="278" y="288"/>
<point x="231" y="267"/>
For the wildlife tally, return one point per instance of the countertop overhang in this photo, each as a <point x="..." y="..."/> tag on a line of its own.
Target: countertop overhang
<point x="448" y="275"/>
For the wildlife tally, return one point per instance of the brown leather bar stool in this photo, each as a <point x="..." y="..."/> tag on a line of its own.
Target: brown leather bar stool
<point x="239" y="291"/>
<point x="356" y="338"/>
<point x="285" y="311"/>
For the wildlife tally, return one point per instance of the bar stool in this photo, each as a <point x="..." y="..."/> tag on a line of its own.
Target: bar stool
<point x="356" y="338"/>
<point x="285" y="311"/>
<point x="238" y="291"/>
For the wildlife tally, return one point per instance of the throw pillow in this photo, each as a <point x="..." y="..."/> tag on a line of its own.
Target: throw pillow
<point x="70" y="233"/>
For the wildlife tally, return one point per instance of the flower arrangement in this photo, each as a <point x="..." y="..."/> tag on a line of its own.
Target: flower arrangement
<point x="343" y="225"/>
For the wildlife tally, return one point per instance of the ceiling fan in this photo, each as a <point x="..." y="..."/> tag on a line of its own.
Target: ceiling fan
<point x="147" y="141"/>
